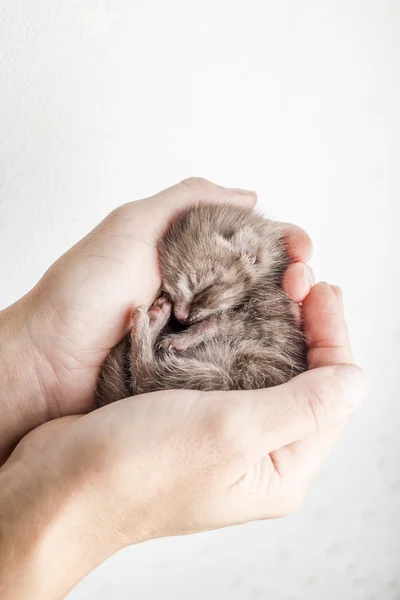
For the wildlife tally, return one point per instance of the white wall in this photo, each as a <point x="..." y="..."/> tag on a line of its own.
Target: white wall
<point x="110" y="100"/>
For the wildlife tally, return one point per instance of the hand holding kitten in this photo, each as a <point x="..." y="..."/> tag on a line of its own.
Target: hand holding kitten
<point x="165" y="463"/>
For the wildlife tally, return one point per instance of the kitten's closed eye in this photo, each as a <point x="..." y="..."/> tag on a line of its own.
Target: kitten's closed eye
<point x="203" y="291"/>
<point x="167" y="295"/>
<point x="228" y="234"/>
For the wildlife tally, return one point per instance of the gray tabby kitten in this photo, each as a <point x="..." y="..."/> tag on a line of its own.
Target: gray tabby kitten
<point x="222" y="321"/>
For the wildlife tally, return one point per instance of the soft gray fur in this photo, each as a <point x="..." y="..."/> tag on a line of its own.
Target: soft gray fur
<point x="221" y="269"/>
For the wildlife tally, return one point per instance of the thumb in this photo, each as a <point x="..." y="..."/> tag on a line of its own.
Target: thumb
<point x="306" y="404"/>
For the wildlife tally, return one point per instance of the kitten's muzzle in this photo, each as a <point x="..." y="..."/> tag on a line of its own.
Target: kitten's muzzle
<point x="187" y="317"/>
<point x="182" y="313"/>
<point x="188" y="314"/>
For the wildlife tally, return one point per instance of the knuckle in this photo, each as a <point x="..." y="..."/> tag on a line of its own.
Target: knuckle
<point x="118" y="214"/>
<point x="320" y="403"/>
<point x="195" y="183"/>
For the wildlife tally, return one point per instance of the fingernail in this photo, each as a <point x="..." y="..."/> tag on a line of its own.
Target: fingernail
<point x="309" y="277"/>
<point x="337" y="289"/>
<point x="355" y="384"/>
<point x="243" y="192"/>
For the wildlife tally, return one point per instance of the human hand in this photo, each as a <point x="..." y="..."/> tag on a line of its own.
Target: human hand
<point x="57" y="337"/>
<point x="178" y="462"/>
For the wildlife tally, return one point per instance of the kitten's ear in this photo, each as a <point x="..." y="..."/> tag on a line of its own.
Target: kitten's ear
<point x="241" y="242"/>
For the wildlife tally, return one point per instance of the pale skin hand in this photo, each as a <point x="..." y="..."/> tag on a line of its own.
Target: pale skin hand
<point x="172" y="463"/>
<point x="56" y="337"/>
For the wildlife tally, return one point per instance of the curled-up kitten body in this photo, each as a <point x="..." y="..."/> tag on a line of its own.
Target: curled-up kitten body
<point x="222" y="320"/>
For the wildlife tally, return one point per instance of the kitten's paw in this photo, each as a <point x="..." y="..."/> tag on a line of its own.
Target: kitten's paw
<point x="178" y="342"/>
<point x="140" y="320"/>
<point x="159" y="313"/>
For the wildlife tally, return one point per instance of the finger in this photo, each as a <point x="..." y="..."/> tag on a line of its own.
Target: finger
<point x="304" y="457"/>
<point x="298" y="281"/>
<point x="298" y="242"/>
<point x="325" y="328"/>
<point x="306" y="405"/>
<point x="195" y="189"/>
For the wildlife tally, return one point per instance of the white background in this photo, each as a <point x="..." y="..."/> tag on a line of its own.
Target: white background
<point x="102" y="102"/>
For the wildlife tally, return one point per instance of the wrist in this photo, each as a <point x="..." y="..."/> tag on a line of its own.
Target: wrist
<point x="23" y="403"/>
<point x="54" y="531"/>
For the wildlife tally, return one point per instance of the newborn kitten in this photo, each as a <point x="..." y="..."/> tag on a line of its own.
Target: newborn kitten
<point x="222" y="322"/>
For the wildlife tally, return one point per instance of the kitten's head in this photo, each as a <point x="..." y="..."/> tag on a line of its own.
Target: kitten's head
<point x="206" y="271"/>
